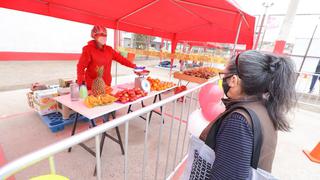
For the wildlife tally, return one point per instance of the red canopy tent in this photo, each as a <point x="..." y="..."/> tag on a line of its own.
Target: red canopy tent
<point x="190" y="20"/>
<point x="178" y="20"/>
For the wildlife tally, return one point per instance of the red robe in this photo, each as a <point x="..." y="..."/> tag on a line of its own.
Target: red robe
<point x="93" y="57"/>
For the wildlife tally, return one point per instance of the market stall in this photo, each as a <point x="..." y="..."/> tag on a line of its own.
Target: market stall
<point x="178" y="20"/>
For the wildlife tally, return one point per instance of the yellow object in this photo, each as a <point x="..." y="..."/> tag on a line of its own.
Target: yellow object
<point x="98" y="85"/>
<point x="220" y="83"/>
<point x="100" y="100"/>
<point x="51" y="176"/>
<point x="177" y="55"/>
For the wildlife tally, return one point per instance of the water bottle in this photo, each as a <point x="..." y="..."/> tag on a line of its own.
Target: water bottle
<point x="83" y="90"/>
<point x="74" y="91"/>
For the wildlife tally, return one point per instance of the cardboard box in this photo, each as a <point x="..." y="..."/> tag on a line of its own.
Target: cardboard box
<point x="64" y="110"/>
<point x="44" y="102"/>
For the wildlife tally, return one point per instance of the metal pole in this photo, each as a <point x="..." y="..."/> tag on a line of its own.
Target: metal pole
<point x="158" y="146"/>
<point x="266" y="5"/>
<point x="126" y="150"/>
<point x="178" y="138"/>
<point x="148" y="45"/>
<point x="286" y="27"/>
<point x="237" y="37"/>
<point x="98" y="158"/>
<point x="185" y="131"/>
<point x="264" y="33"/>
<point x="115" y="48"/>
<point x="145" y="149"/>
<point x="170" y="137"/>
<point x="161" y="46"/>
<point x="310" y="42"/>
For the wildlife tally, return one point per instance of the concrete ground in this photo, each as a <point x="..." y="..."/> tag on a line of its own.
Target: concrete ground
<point x="22" y="131"/>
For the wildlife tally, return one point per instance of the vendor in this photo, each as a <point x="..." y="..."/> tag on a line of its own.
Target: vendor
<point x="97" y="54"/>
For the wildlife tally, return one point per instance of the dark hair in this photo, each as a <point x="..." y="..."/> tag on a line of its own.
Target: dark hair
<point x="271" y="78"/>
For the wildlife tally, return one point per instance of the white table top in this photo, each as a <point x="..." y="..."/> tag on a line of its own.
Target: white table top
<point x="92" y="113"/>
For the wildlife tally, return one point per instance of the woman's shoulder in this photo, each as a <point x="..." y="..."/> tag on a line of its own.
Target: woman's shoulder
<point x="90" y="46"/>
<point x="237" y="120"/>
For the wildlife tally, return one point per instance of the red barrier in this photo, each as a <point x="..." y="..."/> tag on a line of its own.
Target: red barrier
<point x="37" y="56"/>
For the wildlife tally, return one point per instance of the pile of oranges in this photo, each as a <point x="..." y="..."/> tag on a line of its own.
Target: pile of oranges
<point x="157" y="85"/>
<point x="109" y="89"/>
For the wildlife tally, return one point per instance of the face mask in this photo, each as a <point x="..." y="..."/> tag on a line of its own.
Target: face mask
<point x="102" y="40"/>
<point x="225" y="86"/>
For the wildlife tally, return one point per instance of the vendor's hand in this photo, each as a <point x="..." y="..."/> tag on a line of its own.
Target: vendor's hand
<point x="139" y="68"/>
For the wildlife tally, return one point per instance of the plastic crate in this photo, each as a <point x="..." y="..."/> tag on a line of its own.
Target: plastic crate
<point x="56" y="123"/>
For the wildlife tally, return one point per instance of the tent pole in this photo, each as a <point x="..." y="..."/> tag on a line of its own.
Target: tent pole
<point x="183" y="50"/>
<point x="307" y="51"/>
<point x="237" y="37"/>
<point x="137" y="10"/>
<point x="207" y="7"/>
<point x="161" y="45"/>
<point x="116" y="42"/>
<point x="173" y="50"/>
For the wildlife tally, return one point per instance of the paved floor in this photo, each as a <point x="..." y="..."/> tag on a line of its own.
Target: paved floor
<point x="22" y="131"/>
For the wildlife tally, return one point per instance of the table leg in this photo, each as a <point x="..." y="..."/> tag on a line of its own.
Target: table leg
<point x="101" y="148"/>
<point x="160" y="99"/>
<point x="113" y="114"/>
<point x="153" y="111"/>
<point x="104" y="135"/>
<point x="74" y="128"/>
<point x="93" y="124"/>
<point x="154" y="101"/>
<point x="129" y="109"/>
<point x="119" y="139"/>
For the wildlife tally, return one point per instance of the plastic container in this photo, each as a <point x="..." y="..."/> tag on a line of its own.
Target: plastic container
<point x="83" y="92"/>
<point x="55" y="121"/>
<point x="74" y="91"/>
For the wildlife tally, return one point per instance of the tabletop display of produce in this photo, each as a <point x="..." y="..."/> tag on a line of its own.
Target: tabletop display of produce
<point x="157" y="85"/>
<point x="100" y="100"/>
<point x="197" y="75"/>
<point x="101" y="93"/>
<point x="130" y="95"/>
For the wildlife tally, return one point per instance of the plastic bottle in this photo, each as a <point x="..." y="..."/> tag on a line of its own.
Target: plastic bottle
<point x="83" y="90"/>
<point x="74" y="91"/>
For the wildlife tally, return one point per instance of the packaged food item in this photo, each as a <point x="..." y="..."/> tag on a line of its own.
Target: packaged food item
<point x="37" y="86"/>
<point x="74" y="91"/>
<point x="83" y="92"/>
<point x="44" y="102"/>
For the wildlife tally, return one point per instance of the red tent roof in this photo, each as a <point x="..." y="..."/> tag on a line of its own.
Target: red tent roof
<point x="190" y="20"/>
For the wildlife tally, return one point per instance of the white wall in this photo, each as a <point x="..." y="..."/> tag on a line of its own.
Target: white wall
<point x="27" y="32"/>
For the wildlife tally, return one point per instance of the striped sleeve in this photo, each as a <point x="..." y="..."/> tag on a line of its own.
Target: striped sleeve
<point x="233" y="149"/>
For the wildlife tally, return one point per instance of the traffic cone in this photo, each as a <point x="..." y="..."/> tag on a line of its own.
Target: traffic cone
<point x="314" y="155"/>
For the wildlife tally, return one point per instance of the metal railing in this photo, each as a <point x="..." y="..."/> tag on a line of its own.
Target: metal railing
<point x="35" y="157"/>
<point x="308" y="88"/>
